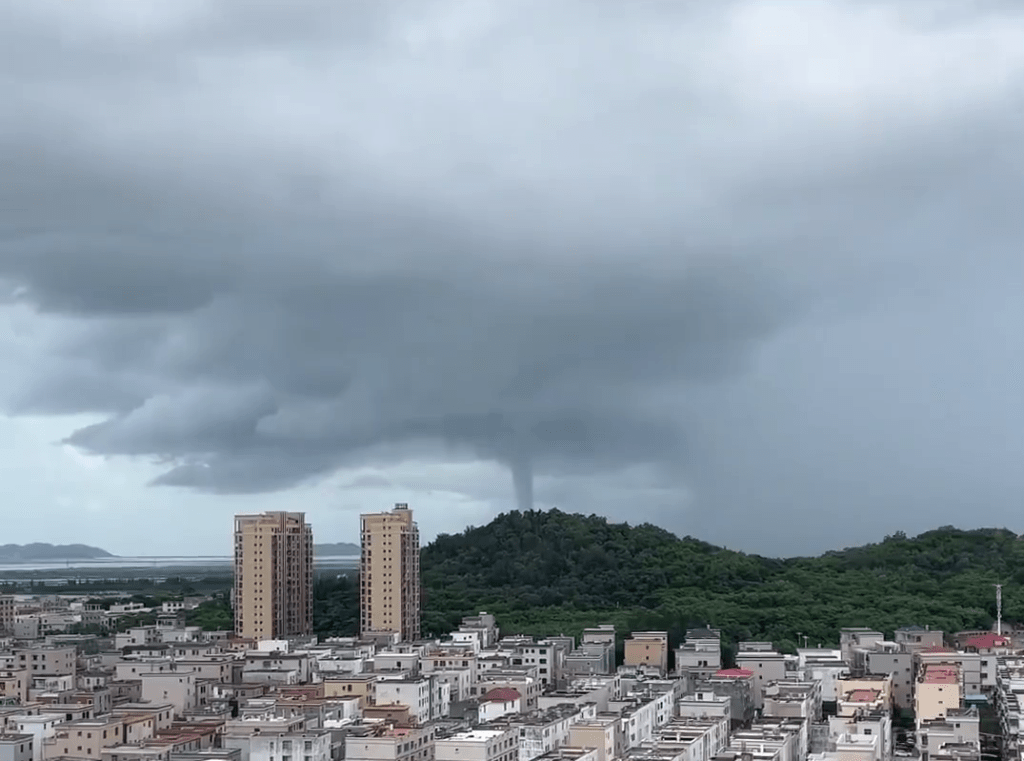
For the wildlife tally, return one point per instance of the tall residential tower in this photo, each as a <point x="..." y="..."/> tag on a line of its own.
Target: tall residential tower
<point x="389" y="574"/>
<point x="273" y="576"/>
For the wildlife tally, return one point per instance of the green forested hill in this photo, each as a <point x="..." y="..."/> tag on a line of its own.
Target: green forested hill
<point x="549" y="572"/>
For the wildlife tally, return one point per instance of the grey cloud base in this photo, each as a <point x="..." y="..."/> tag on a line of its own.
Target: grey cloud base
<point x="277" y="244"/>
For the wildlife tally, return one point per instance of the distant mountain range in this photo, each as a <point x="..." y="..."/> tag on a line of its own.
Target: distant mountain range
<point x="336" y="548"/>
<point x="41" y="551"/>
<point x="16" y="553"/>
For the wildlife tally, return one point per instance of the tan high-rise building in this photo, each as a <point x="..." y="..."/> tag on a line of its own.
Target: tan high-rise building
<point x="273" y="576"/>
<point x="389" y="574"/>
<point x="6" y="614"/>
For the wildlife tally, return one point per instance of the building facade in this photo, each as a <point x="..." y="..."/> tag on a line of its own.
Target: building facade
<point x="273" y="576"/>
<point x="647" y="649"/>
<point x="389" y="574"/>
<point x="6" y="614"/>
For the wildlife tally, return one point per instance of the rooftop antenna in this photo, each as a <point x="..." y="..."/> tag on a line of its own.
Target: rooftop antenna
<point x="999" y="609"/>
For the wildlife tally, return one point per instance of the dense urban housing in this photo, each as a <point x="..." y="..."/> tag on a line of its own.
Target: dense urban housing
<point x="271" y="691"/>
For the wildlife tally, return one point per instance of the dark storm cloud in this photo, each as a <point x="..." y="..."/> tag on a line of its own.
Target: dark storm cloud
<point x="286" y="239"/>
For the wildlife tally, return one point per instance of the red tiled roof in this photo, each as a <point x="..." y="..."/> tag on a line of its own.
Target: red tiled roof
<point x="734" y="673"/>
<point x="863" y="696"/>
<point x="501" y="695"/>
<point x="988" y="641"/>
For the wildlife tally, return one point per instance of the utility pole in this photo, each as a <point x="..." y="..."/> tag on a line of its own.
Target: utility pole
<point x="999" y="609"/>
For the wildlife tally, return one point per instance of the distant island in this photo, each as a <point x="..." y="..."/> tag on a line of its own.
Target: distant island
<point x="18" y="553"/>
<point x="337" y="548"/>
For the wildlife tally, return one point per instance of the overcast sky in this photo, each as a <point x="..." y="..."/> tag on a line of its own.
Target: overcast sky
<point x="751" y="270"/>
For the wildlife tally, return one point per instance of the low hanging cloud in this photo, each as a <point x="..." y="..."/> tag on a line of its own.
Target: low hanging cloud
<point x="271" y="243"/>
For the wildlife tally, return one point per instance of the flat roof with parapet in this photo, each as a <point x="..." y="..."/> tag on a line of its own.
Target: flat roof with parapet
<point x="734" y="673"/>
<point x="476" y="735"/>
<point x="936" y="674"/>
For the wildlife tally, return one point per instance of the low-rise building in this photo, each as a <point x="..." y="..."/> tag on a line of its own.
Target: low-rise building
<point x="899" y="664"/>
<point x="826" y="666"/>
<point x="765" y="664"/>
<point x="39" y="659"/>
<point x="739" y="686"/>
<point x="989" y="647"/>
<point x="293" y="746"/>
<point x="916" y="638"/>
<point x="700" y="655"/>
<point x="478" y="745"/>
<point x="544" y="730"/>
<point x="687" y="739"/>
<point x="40" y="726"/>
<point x="705" y="706"/>
<point x="802" y="700"/>
<point x="388" y="742"/>
<point x="567" y="753"/>
<point x="958" y="732"/>
<point x="968" y="665"/>
<point x="16" y="747"/>
<point x="599" y="690"/>
<point x="427" y="697"/>
<point x="359" y="686"/>
<point x="603" y="733"/>
<point x="643" y="713"/>
<point x="647" y="649"/>
<point x="938" y="691"/>
<point x="499" y="702"/>
<point x="522" y="679"/>
<point x="86" y="738"/>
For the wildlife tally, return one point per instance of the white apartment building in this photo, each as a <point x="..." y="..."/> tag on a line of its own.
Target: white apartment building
<point x="1009" y="692"/>
<point x="302" y="746"/>
<point x="701" y="653"/>
<point x="766" y="664"/>
<point x="852" y="638"/>
<point x="15" y="747"/>
<point x="960" y="729"/>
<point x="566" y="753"/>
<point x="426" y="697"/>
<point x="46" y="660"/>
<point x="41" y="726"/>
<point x="523" y="679"/>
<point x="452" y="659"/>
<point x="889" y="659"/>
<point x="543" y="655"/>
<point x="687" y="740"/>
<point x="826" y="666"/>
<point x="478" y="745"/>
<point x="876" y="724"/>
<point x="705" y="705"/>
<point x="499" y="702"/>
<point x="546" y="730"/>
<point x="642" y="716"/>
<point x="778" y="739"/>
<point x="175" y="687"/>
<point x="400" y="661"/>
<point x="793" y="699"/>
<point x="458" y="681"/>
<point x="389" y="743"/>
